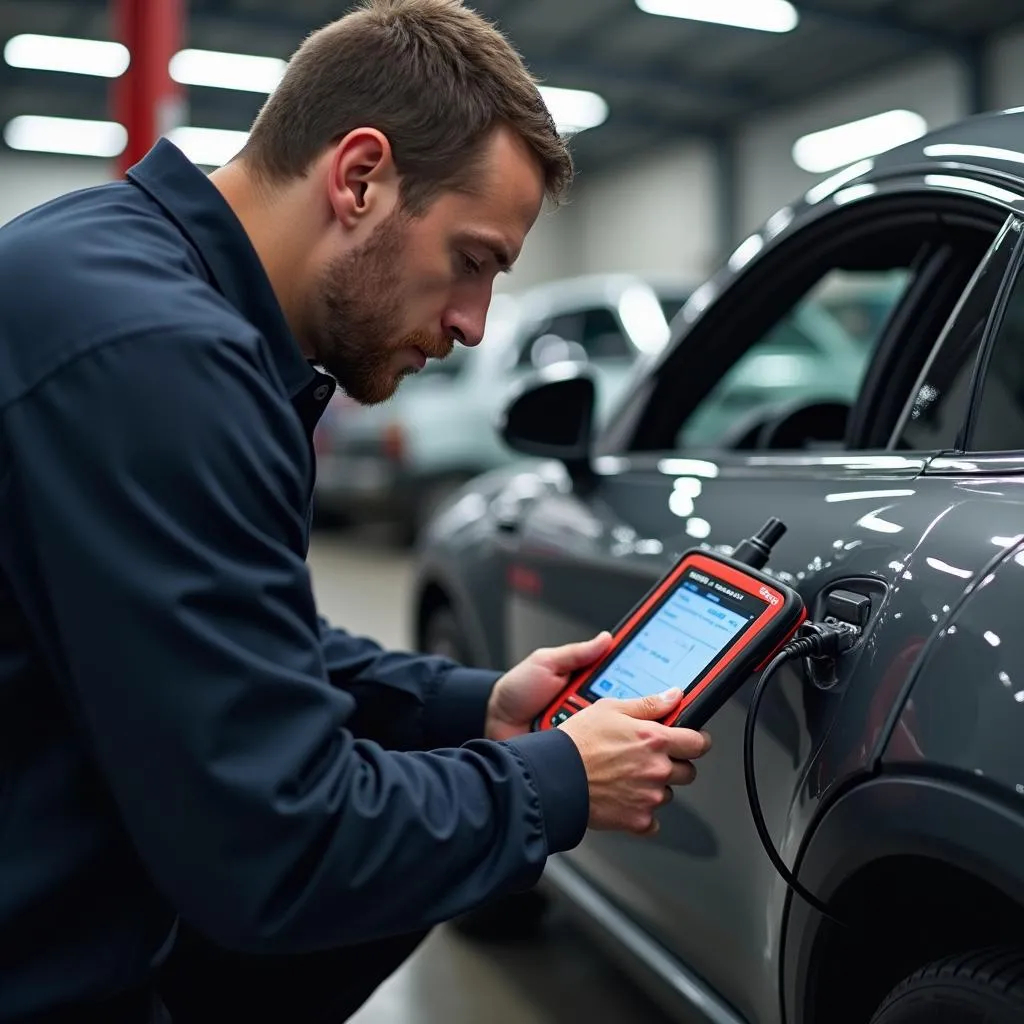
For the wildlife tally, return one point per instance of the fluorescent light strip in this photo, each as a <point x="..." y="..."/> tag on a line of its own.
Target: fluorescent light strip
<point x="67" y="136"/>
<point x="574" y="110"/>
<point x="72" y="56"/>
<point x="846" y="143"/>
<point x="761" y="15"/>
<point x="208" y="147"/>
<point x="237" y="71"/>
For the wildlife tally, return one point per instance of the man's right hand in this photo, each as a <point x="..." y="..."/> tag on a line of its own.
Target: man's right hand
<point x="632" y="760"/>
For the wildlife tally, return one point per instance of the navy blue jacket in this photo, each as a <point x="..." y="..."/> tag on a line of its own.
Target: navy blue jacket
<point x="181" y="735"/>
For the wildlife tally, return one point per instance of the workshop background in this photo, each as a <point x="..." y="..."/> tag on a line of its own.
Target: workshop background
<point x="689" y="132"/>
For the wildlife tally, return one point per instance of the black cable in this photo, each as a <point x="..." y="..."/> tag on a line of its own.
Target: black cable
<point x="820" y="641"/>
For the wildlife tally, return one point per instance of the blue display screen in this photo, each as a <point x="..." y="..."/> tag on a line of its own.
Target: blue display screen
<point x="675" y="646"/>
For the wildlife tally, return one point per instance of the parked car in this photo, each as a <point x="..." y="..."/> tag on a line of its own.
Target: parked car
<point x="397" y="461"/>
<point x="897" y="794"/>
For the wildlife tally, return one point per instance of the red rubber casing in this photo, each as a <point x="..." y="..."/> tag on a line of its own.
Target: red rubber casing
<point x="748" y="652"/>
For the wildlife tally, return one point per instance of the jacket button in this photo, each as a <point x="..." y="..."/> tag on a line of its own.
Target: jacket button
<point x="322" y="392"/>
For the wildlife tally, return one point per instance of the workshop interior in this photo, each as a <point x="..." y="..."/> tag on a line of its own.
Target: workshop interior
<point x="745" y="402"/>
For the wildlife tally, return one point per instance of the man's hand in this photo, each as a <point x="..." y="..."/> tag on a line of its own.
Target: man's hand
<point x="525" y="691"/>
<point x="632" y="761"/>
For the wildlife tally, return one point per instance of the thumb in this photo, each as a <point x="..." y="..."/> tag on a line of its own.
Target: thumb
<point x="571" y="657"/>
<point x="654" y="706"/>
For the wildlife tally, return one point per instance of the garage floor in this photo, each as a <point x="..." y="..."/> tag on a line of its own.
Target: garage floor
<point x="362" y="583"/>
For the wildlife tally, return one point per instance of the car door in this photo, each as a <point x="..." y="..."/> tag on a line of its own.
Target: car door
<point x="854" y="504"/>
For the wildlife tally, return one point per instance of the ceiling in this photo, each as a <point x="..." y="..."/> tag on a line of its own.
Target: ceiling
<point x="663" y="78"/>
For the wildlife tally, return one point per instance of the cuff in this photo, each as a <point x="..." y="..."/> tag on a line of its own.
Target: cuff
<point x="561" y="783"/>
<point x="457" y="712"/>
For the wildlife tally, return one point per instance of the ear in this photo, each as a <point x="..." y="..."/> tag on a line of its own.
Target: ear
<point x="363" y="180"/>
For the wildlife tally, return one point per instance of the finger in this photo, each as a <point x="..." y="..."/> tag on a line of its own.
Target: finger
<point x="667" y="795"/>
<point x="652" y="830"/>
<point x="683" y="773"/>
<point x="656" y="706"/>
<point x="570" y="657"/>
<point x="686" y="744"/>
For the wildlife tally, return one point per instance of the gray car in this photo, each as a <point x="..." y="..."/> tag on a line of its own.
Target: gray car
<point x="896" y="789"/>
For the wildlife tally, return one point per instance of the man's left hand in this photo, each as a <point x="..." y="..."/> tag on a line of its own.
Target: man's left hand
<point x="525" y="691"/>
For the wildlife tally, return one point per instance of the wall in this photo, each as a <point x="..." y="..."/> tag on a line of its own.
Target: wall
<point x="26" y="180"/>
<point x="655" y="218"/>
<point x="768" y="177"/>
<point x="1006" y="78"/>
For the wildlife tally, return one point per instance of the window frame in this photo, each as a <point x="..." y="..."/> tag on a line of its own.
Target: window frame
<point x="1013" y="277"/>
<point x="631" y="431"/>
<point x="1000" y="258"/>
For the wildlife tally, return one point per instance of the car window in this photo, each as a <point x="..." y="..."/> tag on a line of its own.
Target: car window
<point x="586" y="335"/>
<point x="670" y="305"/>
<point x="602" y="337"/>
<point x="999" y="411"/>
<point x="935" y="416"/>
<point x="809" y="355"/>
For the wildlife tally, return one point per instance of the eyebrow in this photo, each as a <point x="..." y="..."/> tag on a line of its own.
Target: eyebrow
<point x="494" y="246"/>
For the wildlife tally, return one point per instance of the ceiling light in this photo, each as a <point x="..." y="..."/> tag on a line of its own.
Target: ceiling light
<point x="208" y="147"/>
<point x="762" y="15"/>
<point x="846" y="143"/>
<point x="237" y="71"/>
<point x="574" y="110"/>
<point x="66" y="135"/>
<point x="72" y="56"/>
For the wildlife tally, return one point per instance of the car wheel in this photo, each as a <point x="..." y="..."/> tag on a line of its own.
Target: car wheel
<point x="443" y="636"/>
<point x="983" y="987"/>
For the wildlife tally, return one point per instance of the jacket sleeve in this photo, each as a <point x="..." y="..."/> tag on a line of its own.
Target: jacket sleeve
<point x="407" y="701"/>
<point x="159" y="485"/>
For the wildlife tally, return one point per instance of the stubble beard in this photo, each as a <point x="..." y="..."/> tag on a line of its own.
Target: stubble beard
<point x="357" y="331"/>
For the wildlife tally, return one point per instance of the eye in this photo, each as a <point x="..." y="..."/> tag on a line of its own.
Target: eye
<point x="470" y="265"/>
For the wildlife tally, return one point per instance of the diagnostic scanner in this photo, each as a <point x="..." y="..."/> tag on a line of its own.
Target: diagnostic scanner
<point x="705" y="627"/>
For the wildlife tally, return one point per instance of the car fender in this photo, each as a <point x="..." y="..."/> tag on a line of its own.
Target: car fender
<point x="887" y="815"/>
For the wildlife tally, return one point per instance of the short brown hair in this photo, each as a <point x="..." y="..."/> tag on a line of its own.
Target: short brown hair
<point x="432" y="75"/>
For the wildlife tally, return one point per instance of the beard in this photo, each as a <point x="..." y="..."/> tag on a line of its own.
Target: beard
<point x="355" y="333"/>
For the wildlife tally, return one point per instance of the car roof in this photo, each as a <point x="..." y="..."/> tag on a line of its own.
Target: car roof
<point x="588" y="289"/>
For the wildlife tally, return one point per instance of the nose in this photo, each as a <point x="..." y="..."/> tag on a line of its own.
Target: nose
<point x="466" y="325"/>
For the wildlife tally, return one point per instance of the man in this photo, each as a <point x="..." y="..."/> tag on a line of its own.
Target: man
<point x="197" y="772"/>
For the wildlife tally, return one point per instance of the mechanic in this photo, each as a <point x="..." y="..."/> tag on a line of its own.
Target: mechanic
<point x="213" y="805"/>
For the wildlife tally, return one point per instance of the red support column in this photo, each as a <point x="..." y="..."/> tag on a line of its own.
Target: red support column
<point x="146" y="100"/>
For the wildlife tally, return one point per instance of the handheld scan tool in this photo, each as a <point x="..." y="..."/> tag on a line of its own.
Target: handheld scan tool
<point x="705" y="627"/>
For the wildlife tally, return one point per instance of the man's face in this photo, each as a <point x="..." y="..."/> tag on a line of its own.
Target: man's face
<point x="419" y="285"/>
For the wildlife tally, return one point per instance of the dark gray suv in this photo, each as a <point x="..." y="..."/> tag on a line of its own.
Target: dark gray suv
<point x="896" y="789"/>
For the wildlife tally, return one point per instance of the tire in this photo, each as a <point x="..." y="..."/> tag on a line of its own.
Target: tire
<point x="980" y="987"/>
<point x="442" y="635"/>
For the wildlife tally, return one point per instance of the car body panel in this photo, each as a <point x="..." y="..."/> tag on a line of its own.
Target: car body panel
<point x="702" y="884"/>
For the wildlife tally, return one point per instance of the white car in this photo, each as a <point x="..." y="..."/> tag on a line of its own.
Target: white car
<point x="397" y="461"/>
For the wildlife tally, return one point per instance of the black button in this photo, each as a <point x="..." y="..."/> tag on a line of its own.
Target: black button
<point x="560" y="716"/>
<point x="322" y="393"/>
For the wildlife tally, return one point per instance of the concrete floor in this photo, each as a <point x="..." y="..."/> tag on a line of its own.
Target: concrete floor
<point x="361" y="583"/>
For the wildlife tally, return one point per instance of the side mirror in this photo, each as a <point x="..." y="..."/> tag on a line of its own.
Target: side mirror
<point x="551" y="416"/>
